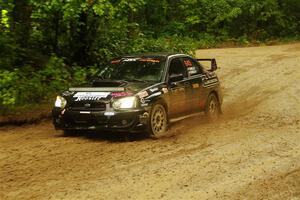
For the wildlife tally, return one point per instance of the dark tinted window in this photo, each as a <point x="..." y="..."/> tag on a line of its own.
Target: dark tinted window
<point x="136" y="68"/>
<point x="176" y="67"/>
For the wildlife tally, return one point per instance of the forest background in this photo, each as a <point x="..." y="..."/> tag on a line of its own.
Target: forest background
<point x="48" y="45"/>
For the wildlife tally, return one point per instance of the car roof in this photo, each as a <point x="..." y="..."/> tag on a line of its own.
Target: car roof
<point x="159" y="54"/>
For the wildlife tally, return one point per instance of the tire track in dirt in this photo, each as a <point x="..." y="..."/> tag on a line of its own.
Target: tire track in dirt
<point x="251" y="153"/>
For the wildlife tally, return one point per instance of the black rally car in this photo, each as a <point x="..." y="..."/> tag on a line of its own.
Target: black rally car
<point x="141" y="93"/>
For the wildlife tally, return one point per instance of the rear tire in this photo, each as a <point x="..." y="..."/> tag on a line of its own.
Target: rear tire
<point x="157" y="121"/>
<point x="212" y="107"/>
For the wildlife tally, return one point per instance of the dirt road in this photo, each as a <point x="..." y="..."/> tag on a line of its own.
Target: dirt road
<point x="252" y="153"/>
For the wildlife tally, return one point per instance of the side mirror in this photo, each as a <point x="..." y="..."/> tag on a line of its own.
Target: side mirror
<point x="214" y="66"/>
<point x="175" y="77"/>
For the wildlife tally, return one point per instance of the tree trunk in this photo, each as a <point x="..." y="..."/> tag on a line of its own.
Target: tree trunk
<point x="21" y="22"/>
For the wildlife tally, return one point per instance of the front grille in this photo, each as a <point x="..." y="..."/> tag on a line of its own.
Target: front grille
<point x="85" y="105"/>
<point x="99" y="121"/>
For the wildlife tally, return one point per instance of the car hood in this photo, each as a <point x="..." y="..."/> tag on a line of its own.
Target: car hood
<point x="105" y="90"/>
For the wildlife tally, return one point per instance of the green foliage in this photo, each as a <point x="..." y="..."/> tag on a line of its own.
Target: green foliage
<point x="27" y="85"/>
<point x="8" y="92"/>
<point x="8" y="49"/>
<point x="48" y="45"/>
<point x="4" y="19"/>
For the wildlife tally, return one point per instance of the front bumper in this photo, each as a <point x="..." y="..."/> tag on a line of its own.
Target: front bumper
<point x="127" y="120"/>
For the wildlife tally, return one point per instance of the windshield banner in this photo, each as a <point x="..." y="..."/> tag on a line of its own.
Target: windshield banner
<point x="97" y="89"/>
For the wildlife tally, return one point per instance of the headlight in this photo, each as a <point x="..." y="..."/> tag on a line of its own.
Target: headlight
<point x="125" y="103"/>
<point x="60" y="102"/>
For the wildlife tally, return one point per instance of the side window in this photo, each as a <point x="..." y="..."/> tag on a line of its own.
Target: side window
<point x="177" y="68"/>
<point x="192" y="67"/>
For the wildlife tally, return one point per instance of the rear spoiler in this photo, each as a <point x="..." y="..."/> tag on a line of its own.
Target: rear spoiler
<point x="213" y="61"/>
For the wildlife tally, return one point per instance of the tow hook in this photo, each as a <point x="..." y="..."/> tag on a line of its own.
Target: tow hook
<point x="144" y="118"/>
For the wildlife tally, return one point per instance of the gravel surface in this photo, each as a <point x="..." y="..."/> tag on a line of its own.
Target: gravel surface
<point x="252" y="152"/>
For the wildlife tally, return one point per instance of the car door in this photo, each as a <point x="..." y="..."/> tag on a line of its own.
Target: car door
<point x="177" y="88"/>
<point x="196" y="93"/>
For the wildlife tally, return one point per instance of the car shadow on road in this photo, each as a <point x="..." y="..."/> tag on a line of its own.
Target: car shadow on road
<point x="107" y="136"/>
<point x="175" y="130"/>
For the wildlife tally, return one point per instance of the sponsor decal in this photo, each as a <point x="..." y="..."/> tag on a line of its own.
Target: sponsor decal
<point x="97" y="89"/>
<point x="154" y="95"/>
<point x="142" y="100"/>
<point x="94" y="96"/>
<point x="165" y="90"/>
<point x="115" y="61"/>
<point x="153" y="89"/>
<point x="109" y="113"/>
<point x="149" y="60"/>
<point x="130" y="59"/>
<point x="210" y="82"/>
<point x="178" y="89"/>
<point x="192" y="70"/>
<point x="144" y="104"/>
<point x="143" y="94"/>
<point x="121" y="94"/>
<point x="209" y="75"/>
<point x="203" y="77"/>
<point x="188" y="63"/>
<point x="195" y="85"/>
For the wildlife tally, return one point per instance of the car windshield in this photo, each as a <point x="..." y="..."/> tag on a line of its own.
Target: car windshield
<point x="135" y="69"/>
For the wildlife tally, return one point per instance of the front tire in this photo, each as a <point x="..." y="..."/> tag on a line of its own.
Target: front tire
<point x="157" y="121"/>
